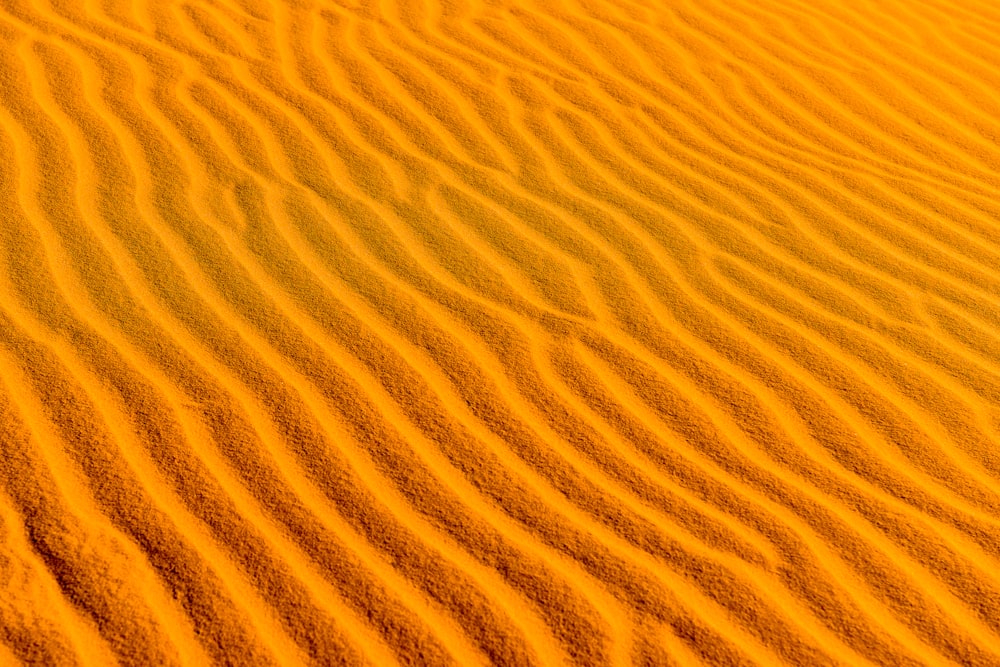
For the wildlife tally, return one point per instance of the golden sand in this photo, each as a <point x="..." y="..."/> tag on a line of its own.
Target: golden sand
<point x="551" y="332"/>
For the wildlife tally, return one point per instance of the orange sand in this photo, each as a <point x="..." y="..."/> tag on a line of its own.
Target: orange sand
<point x="596" y="332"/>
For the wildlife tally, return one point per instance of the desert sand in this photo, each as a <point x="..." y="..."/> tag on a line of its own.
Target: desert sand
<point x="500" y="332"/>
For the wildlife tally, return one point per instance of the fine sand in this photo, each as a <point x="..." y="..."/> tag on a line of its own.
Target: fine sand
<point x="548" y="332"/>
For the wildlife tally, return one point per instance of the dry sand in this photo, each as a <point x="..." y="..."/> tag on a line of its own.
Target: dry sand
<point x="596" y="332"/>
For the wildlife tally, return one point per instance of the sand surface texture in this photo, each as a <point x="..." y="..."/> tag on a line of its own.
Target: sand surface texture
<point x="512" y="332"/>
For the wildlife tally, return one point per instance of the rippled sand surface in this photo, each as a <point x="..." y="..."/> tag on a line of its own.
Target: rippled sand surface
<point x="510" y="332"/>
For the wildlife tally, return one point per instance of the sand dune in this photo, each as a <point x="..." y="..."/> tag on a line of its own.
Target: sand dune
<point x="595" y="332"/>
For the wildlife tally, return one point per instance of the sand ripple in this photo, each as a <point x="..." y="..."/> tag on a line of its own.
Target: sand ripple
<point x="499" y="332"/>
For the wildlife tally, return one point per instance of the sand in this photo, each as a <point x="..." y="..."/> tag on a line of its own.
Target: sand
<point x="509" y="332"/>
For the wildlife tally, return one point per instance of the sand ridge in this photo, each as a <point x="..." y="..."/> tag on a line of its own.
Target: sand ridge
<point x="596" y="332"/>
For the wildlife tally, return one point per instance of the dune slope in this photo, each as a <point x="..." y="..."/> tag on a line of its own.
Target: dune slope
<point x="513" y="332"/>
